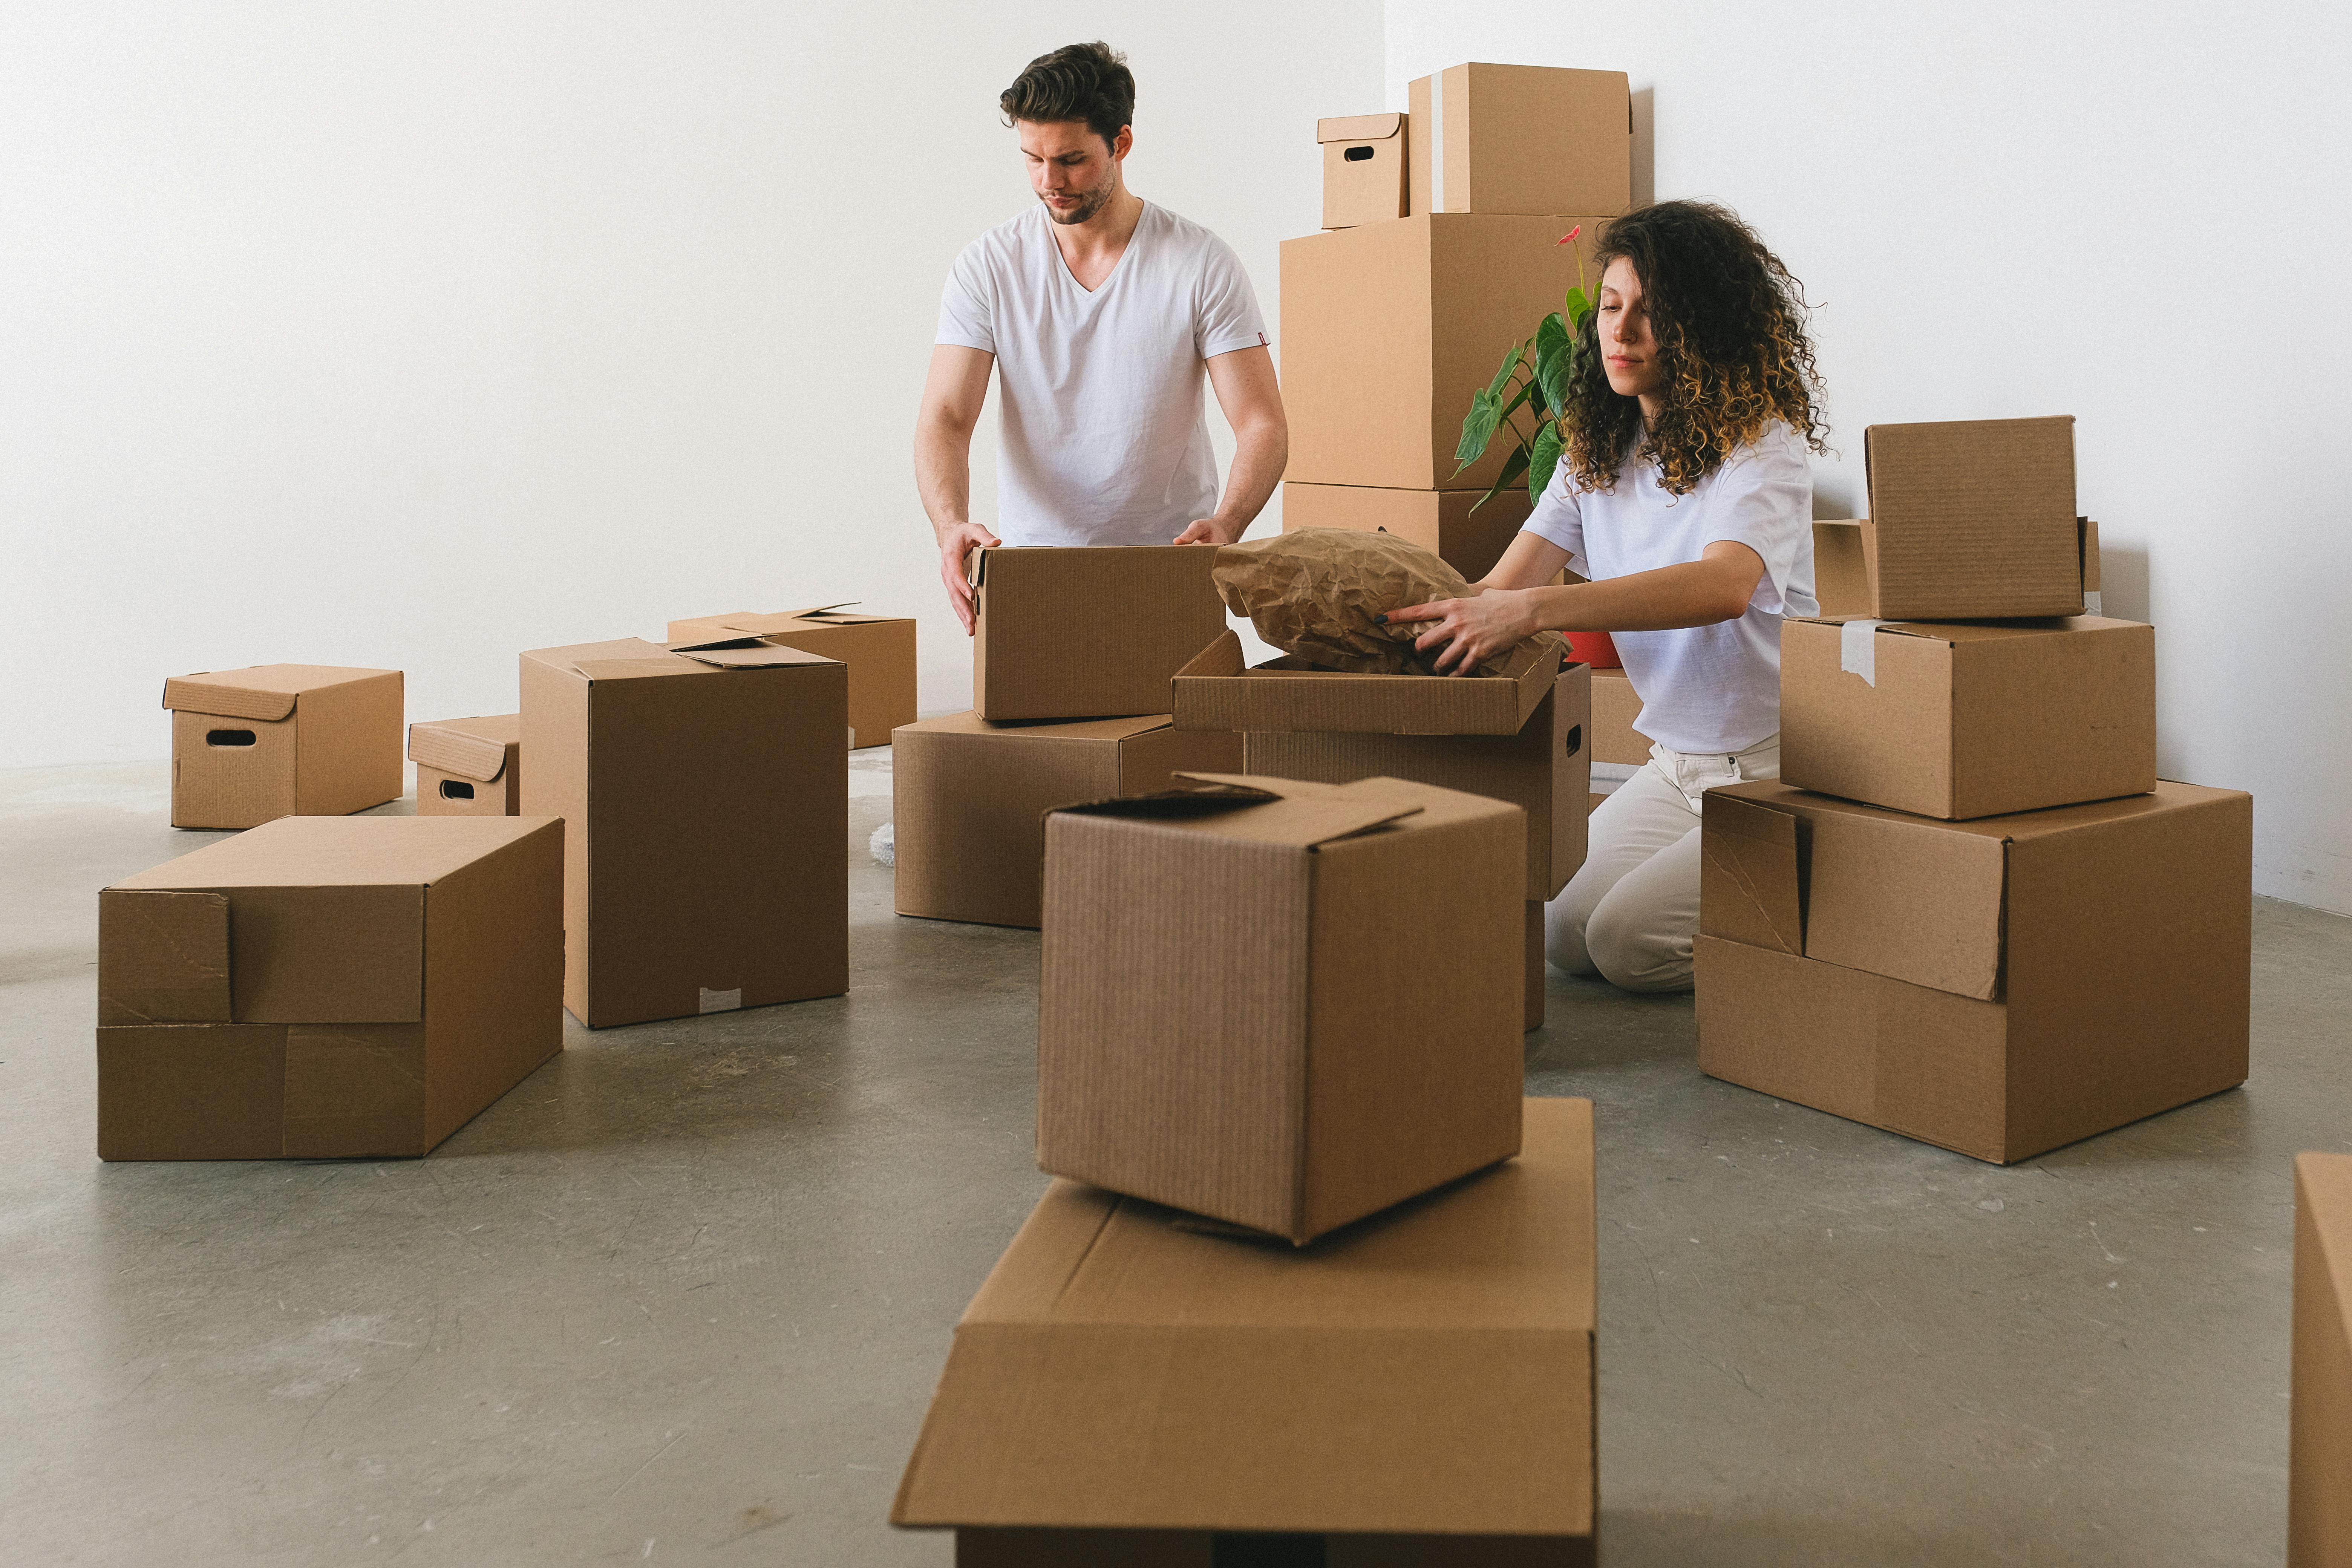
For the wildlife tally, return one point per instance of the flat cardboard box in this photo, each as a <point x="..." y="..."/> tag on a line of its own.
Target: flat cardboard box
<point x="1973" y="519"/>
<point x="1616" y="706"/>
<point x="2319" y="1464"/>
<point x="283" y="740"/>
<point x="1387" y="329"/>
<point x="878" y="649"/>
<point x="1439" y="522"/>
<point x="1363" y="168"/>
<point x="468" y="767"/>
<point x="1219" y="690"/>
<point x="1842" y="565"/>
<point x="327" y="987"/>
<point x="2000" y="988"/>
<point x="1954" y="720"/>
<point x="970" y="800"/>
<point x="707" y="865"/>
<point x="1132" y="1386"/>
<point x="1240" y="1014"/>
<point x="1087" y="632"/>
<point x="1521" y="139"/>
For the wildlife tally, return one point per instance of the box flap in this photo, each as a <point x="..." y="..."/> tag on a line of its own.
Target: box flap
<point x="265" y="691"/>
<point x="472" y="748"/>
<point x="1265" y="811"/>
<point x="746" y="653"/>
<point x="1359" y="128"/>
<point x="1217" y="691"/>
<point x="1751" y="873"/>
<point x="163" y="957"/>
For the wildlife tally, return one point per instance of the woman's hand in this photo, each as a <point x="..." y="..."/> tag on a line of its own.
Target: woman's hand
<point x="1472" y="630"/>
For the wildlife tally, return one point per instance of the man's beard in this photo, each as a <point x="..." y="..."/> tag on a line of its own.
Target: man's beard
<point x="1086" y="208"/>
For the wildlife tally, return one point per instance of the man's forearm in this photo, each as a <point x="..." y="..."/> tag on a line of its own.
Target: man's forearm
<point x="1261" y="452"/>
<point x="943" y="475"/>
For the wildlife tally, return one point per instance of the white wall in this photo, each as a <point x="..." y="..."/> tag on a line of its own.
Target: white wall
<point x="417" y="334"/>
<point x="2134" y="215"/>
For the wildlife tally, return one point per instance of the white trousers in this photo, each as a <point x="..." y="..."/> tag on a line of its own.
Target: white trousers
<point x="1631" y="913"/>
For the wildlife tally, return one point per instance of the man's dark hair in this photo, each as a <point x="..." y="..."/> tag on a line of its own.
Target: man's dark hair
<point x="1077" y="81"/>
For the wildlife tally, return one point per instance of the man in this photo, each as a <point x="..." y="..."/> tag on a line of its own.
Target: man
<point x="1099" y="312"/>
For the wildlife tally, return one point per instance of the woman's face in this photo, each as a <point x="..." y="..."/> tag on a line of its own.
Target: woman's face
<point x="1629" y="352"/>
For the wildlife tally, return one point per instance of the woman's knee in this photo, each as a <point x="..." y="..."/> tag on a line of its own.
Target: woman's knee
<point x="1564" y="937"/>
<point x="1628" y="947"/>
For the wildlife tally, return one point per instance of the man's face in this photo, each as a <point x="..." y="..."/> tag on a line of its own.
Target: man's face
<point x="1073" y="171"/>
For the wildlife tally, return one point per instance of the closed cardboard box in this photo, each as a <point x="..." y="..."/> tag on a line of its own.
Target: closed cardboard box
<point x="970" y="798"/>
<point x="468" y="767"/>
<point x="1842" y="565"/>
<point x="1363" y="168"/>
<point x="1240" y="1014"/>
<point x="1615" y="708"/>
<point x="1388" y="329"/>
<point x="1998" y="987"/>
<point x="2319" y="1466"/>
<point x="1217" y="690"/>
<point x="878" y="649"/>
<point x="1087" y="632"/>
<point x="1521" y="139"/>
<point x="707" y="795"/>
<point x="282" y="740"/>
<point x="1132" y="1386"/>
<point x="1973" y="519"/>
<point x="328" y="987"/>
<point x="1960" y="720"/>
<point x="1439" y="522"/>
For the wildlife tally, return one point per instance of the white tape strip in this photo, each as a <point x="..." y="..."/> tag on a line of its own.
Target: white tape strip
<point x="1437" y="141"/>
<point x="1858" y="649"/>
<point x="2091" y="603"/>
<point x="721" y="1001"/>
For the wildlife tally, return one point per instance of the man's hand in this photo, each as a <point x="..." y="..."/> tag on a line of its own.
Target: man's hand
<point x="1209" y="531"/>
<point x="1472" y="630"/>
<point x="957" y="542"/>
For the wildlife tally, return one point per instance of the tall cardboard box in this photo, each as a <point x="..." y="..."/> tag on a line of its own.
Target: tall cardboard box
<point x="282" y="740"/>
<point x="878" y="649"/>
<point x="1521" y="139"/>
<point x="327" y="987"/>
<point x="1363" y="168"/>
<point x="1616" y="706"/>
<point x="2319" y="1463"/>
<point x="707" y="795"/>
<point x="1087" y="632"/>
<point x="970" y="800"/>
<point x="1388" y="329"/>
<point x="1133" y="1388"/>
<point x="1439" y="522"/>
<point x="1973" y="519"/>
<point x="1239" y="1014"/>
<point x="468" y="767"/>
<point x="2000" y="986"/>
<point x="1962" y="721"/>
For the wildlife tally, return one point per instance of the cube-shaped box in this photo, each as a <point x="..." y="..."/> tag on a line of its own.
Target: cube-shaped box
<point x="878" y="649"/>
<point x="1953" y="719"/>
<point x="1439" y="522"/>
<point x="2319" y="1454"/>
<point x="2000" y="986"/>
<point x="1616" y="708"/>
<point x="1132" y="1387"/>
<point x="282" y="740"/>
<point x="468" y="767"/>
<point x="1238" y="1016"/>
<point x="970" y="798"/>
<point x="327" y="987"/>
<point x="707" y="795"/>
<point x="1973" y="519"/>
<point x="1068" y="632"/>
<point x="1363" y="168"/>
<point x="1521" y="139"/>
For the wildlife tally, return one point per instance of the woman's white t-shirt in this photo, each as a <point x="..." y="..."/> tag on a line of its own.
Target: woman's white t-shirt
<point x="1707" y="690"/>
<point x="1103" y="436"/>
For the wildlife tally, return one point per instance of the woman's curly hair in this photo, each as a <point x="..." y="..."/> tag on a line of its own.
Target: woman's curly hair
<point x="1730" y="321"/>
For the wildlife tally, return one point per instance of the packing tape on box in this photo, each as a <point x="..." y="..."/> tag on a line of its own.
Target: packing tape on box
<point x="721" y="1001"/>
<point x="1858" y="649"/>
<point x="2091" y="603"/>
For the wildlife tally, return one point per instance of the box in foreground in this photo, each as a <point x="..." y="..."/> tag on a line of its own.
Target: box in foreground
<point x="878" y="649"/>
<point x="1078" y="632"/>
<point x="2319" y="1465"/>
<point x="282" y="740"/>
<point x="468" y="767"/>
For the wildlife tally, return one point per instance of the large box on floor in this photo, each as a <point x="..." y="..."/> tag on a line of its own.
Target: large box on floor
<point x="1388" y="329"/>
<point x="1242" y="1012"/>
<point x="1961" y="721"/>
<point x="1616" y="706"/>
<point x="878" y="649"/>
<point x="1521" y="139"/>
<point x="1973" y="519"/>
<point x="1439" y="522"/>
<point x="707" y="865"/>
<point x="970" y="800"/>
<point x="327" y="987"/>
<point x="283" y="740"/>
<point x="1132" y="1386"/>
<point x="1068" y="632"/>
<point x="1363" y="168"/>
<point x="2319" y="1465"/>
<point x="468" y="767"/>
<point x="1996" y="987"/>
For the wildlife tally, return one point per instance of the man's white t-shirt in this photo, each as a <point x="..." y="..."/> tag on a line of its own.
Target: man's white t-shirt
<point x="1104" y="436"/>
<point x="1707" y="690"/>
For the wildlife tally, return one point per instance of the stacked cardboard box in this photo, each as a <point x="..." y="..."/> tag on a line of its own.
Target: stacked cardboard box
<point x="879" y="651"/>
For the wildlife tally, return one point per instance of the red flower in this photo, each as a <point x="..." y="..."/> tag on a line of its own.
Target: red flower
<point x="1571" y="234"/>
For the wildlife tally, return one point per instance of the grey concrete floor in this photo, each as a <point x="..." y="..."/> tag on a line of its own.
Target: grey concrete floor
<point x="682" y="1295"/>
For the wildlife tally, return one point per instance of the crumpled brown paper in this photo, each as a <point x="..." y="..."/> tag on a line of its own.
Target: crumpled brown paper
<point x="1313" y="594"/>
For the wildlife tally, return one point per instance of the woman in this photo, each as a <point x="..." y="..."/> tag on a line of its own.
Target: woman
<point x="1683" y="502"/>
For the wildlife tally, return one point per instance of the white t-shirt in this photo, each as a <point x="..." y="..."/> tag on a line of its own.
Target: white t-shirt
<point x="1708" y="689"/>
<point x="1104" y="438"/>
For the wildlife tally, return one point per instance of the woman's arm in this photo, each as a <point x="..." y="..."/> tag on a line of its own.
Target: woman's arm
<point x="1530" y="561"/>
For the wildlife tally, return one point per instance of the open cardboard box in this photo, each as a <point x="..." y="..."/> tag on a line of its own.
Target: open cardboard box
<point x="878" y="649"/>
<point x="1363" y="168"/>
<point x="1218" y="689"/>
<point x="1441" y="522"/>
<point x="2319" y="1461"/>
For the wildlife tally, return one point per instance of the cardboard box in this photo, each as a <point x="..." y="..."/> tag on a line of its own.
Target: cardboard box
<point x="878" y="649"/>
<point x="1217" y="690"/>
<point x="1973" y="519"/>
<point x="1132" y="1386"/>
<point x="1363" y="168"/>
<point x="1439" y="522"/>
<point x="1533" y="1015"/>
<point x="1615" y="707"/>
<point x="1998" y="987"/>
<point x="707" y="865"/>
<point x="970" y="798"/>
<point x="1388" y="329"/>
<point x="1521" y="139"/>
<point x="326" y="987"/>
<point x="1959" y="720"/>
<point x="1241" y="1015"/>
<point x="283" y="740"/>
<point x="1841" y="565"/>
<point x="2319" y="1465"/>
<point x="468" y="767"/>
<point x="1087" y="632"/>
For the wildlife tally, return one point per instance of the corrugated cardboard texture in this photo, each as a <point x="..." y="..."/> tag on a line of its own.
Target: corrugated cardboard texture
<point x="167" y="957"/>
<point x="249" y="746"/>
<point x="1840" y="570"/>
<point x="468" y="767"/>
<point x="1532" y="1016"/>
<point x="1972" y="518"/>
<point x="191" y="1092"/>
<point x="2319" y="1466"/>
<point x="1076" y="633"/>
<point x="1217" y="690"/>
<point x="1363" y="168"/>
<point x="1439" y="522"/>
<point x="1615" y="706"/>
<point x="1388" y="329"/>
<point x="1428" y="1370"/>
<point x="986" y="1548"/>
<point x="878" y="649"/>
<point x="1971" y="721"/>
<point x="1522" y="139"/>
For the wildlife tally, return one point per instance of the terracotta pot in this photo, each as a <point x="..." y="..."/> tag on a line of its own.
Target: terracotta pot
<point x="1595" y="648"/>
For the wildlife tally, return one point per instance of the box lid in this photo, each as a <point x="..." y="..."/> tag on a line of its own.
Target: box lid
<point x="1293" y="813"/>
<point x="266" y="691"/>
<point x="1217" y="690"/>
<point x="468" y="748"/>
<point x="1425" y="1370"/>
<point x="1359" y="128"/>
<point x="971" y="723"/>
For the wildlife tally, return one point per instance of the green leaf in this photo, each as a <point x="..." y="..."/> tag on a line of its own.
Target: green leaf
<point x="1542" y="459"/>
<point x="1477" y="427"/>
<point x="1503" y="376"/>
<point x="1519" y="399"/>
<point x="1577" y="306"/>
<point x="1512" y="467"/>
<point x="1555" y="364"/>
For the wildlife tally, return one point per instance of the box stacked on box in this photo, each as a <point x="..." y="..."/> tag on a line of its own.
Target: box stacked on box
<point x="879" y="651"/>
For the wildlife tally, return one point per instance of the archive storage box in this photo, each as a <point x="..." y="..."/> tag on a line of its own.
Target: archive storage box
<point x="1087" y="632"/>
<point x="2319" y="1463"/>
<point x="282" y="740"/>
<point x="1521" y="139"/>
<point x="468" y="767"/>
<point x="1439" y="522"/>
<point x="1363" y="168"/>
<point x="878" y="649"/>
